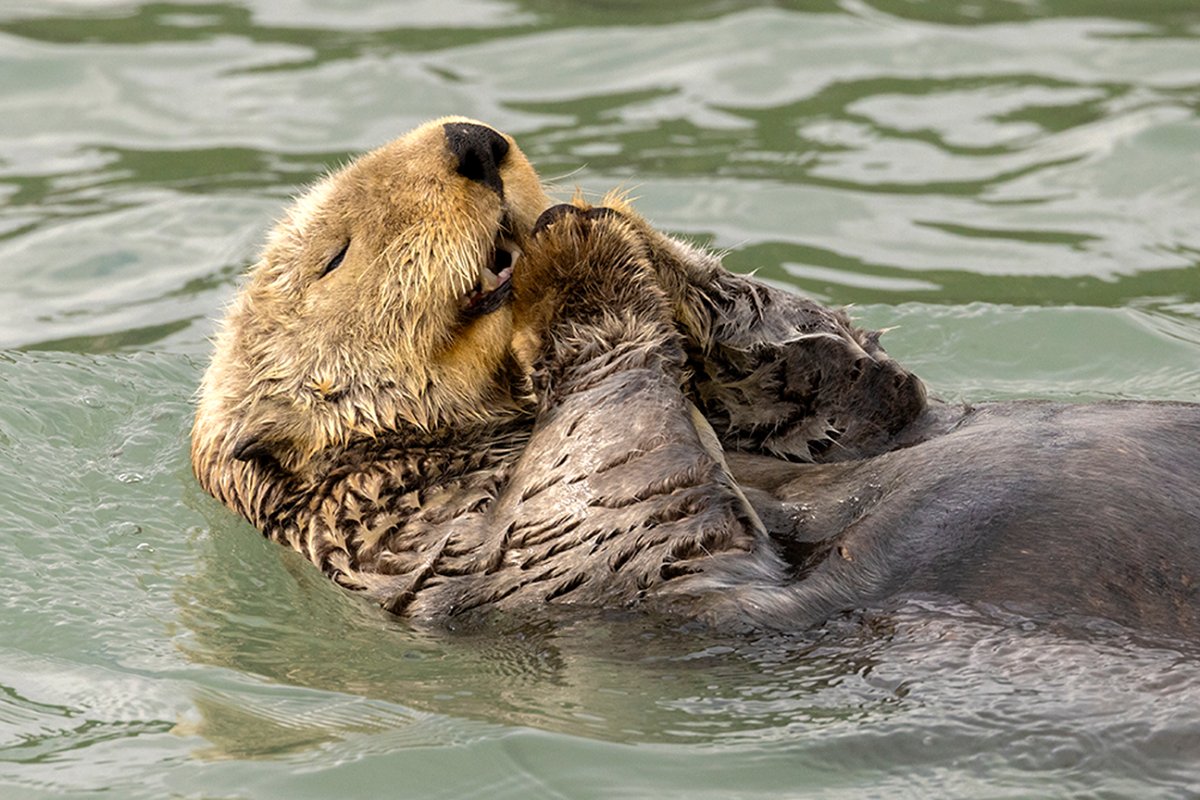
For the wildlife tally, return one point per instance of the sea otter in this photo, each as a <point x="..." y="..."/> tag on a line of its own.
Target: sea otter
<point x="455" y="397"/>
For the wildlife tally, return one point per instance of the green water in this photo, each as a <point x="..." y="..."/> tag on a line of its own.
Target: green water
<point x="1014" y="185"/>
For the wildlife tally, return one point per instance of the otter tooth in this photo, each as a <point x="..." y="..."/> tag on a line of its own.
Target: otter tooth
<point x="488" y="280"/>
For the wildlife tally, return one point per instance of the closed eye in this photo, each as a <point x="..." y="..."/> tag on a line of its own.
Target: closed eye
<point x="335" y="261"/>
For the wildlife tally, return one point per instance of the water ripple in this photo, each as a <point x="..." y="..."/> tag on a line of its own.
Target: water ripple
<point x="1009" y="185"/>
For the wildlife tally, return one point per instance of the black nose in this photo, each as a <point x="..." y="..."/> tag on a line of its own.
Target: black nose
<point x="480" y="152"/>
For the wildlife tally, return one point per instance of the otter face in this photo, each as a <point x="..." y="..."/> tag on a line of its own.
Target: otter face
<point x="380" y="301"/>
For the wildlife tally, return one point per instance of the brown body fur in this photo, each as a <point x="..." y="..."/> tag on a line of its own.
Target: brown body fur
<point x="570" y="447"/>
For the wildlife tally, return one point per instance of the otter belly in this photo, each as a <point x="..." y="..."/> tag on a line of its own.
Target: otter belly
<point x="1036" y="507"/>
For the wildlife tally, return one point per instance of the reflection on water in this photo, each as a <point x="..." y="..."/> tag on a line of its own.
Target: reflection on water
<point x="1011" y="185"/>
<point x="617" y="678"/>
<point x="924" y="684"/>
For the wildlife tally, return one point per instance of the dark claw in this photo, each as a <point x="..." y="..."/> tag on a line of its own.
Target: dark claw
<point x="601" y="212"/>
<point x="552" y="215"/>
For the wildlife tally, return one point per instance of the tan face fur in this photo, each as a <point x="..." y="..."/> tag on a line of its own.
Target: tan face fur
<point x="309" y="358"/>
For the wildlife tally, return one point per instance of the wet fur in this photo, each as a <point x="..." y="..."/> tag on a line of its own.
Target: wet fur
<point x="642" y="429"/>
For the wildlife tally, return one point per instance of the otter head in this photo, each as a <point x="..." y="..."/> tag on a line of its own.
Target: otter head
<point x="380" y="303"/>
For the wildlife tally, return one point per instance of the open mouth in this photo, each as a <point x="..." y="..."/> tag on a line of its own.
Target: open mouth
<point x="493" y="287"/>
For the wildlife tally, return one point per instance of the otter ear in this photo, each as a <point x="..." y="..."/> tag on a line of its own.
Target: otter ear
<point x="259" y="440"/>
<point x="252" y="447"/>
<point x="268" y="436"/>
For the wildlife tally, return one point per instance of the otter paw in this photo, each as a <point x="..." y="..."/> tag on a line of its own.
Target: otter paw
<point x="563" y="210"/>
<point x="585" y="279"/>
<point x="585" y="254"/>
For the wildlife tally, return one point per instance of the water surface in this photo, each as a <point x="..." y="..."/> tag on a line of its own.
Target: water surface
<point x="1012" y="186"/>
